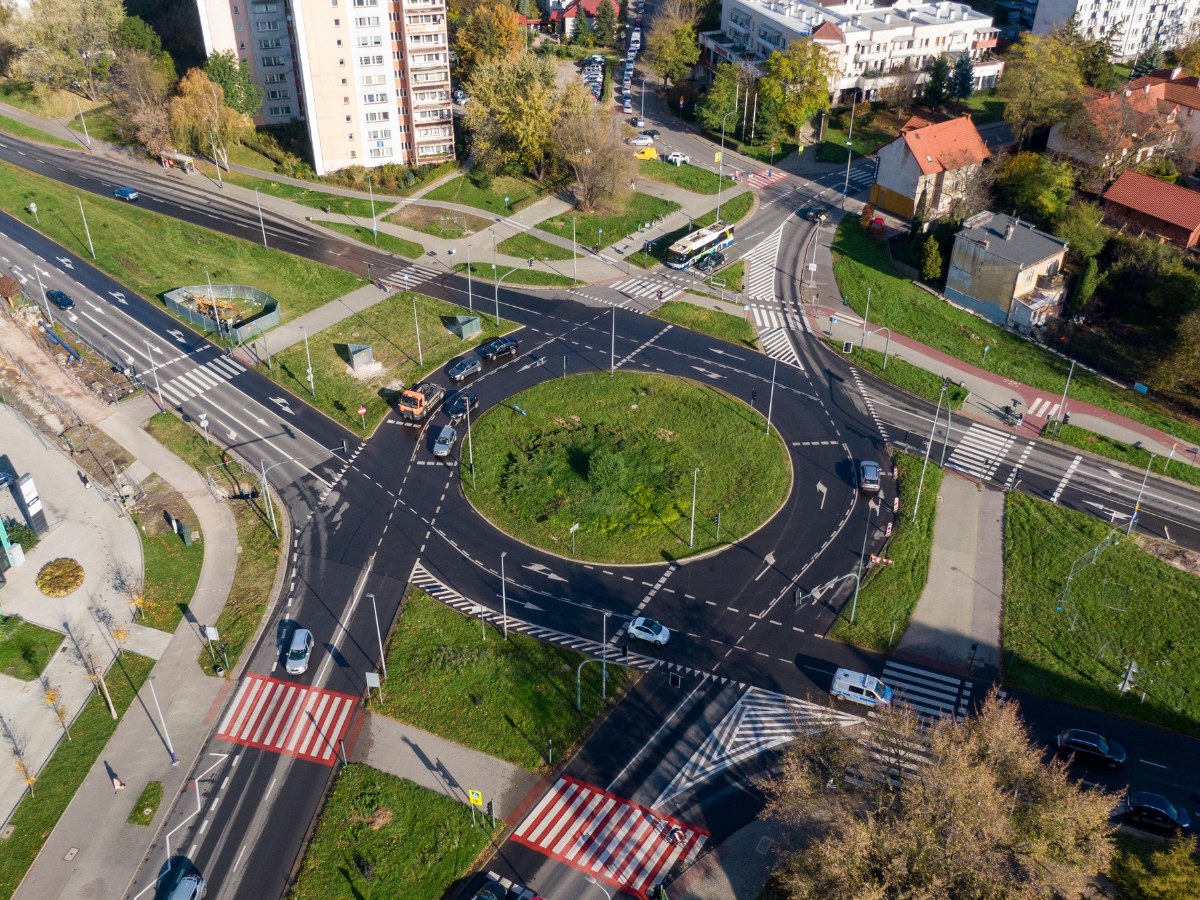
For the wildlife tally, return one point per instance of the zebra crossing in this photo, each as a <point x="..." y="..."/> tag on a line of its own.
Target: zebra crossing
<point x="980" y="451"/>
<point x="777" y="345"/>
<point x="760" y="277"/>
<point x="765" y="178"/>
<point x="1041" y="408"/>
<point x="288" y="718"/>
<point x="647" y="287"/>
<point x="203" y="377"/>
<point x="407" y="279"/>
<point x="860" y="180"/>
<point x="928" y="693"/>
<point x="773" y="318"/>
<point x="612" y="839"/>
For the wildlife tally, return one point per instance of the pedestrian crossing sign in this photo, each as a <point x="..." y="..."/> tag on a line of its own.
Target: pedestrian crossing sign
<point x="476" y="798"/>
<point x="718" y="157"/>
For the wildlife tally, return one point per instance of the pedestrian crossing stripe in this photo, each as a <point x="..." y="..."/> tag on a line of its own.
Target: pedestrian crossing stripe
<point x="773" y="318"/>
<point x="760" y="274"/>
<point x="647" y="287"/>
<point x="406" y="279"/>
<point x="1043" y="408"/>
<point x="196" y="381"/>
<point x="614" y="840"/>
<point x="776" y="344"/>
<point x="288" y="718"/>
<point x="928" y="693"/>
<point x="765" y="178"/>
<point x="980" y="451"/>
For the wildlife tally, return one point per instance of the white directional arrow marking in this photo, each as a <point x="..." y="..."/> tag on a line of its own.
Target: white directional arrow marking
<point x="66" y="262"/>
<point x="178" y="335"/>
<point x="119" y="297"/>
<point x="94" y="306"/>
<point x="232" y="434"/>
<point x="769" y="559"/>
<point x="533" y="606"/>
<point x="723" y="353"/>
<point x="73" y="317"/>
<point x="822" y="490"/>
<point x="542" y="570"/>
<point x="875" y="505"/>
<point x="254" y="417"/>
<point x="283" y="404"/>
<point x="1114" y="473"/>
<point x="707" y="373"/>
<point x="1113" y="514"/>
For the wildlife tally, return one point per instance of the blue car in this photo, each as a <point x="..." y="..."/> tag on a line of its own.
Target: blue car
<point x="125" y="194"/>
<point x="59" y="299"/>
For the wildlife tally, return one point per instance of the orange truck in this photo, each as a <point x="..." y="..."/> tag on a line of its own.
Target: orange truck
<point x="416" y="403"/>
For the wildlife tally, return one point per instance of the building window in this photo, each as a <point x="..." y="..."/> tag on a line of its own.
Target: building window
<point x="373" y="79"/>
<point x="375" y="98"/>
<point x="371" y="60"/>
<point x="237" y="26"/>
<point x="341" y="62"/>
<point x="377" y="116"/>
<point x="347" y="118"/>
<point x="345" y="101"/>
<point x="366" y="2"/>
<point x="350" y="136"/>
<point x="380" y="135"/>
<point x="435" y="150"/>
<point x="269" y="61"/>
<point x="270" y="44"/>
<point x="267" y="26"/>
<point x="366" y="22"/>
<point x="339" y="42"/>
<point x="263" y="7"/>
<point x="241" y="45"/>
<point x="236" y="10"/>
<point x="369" y="40"/>
<point x="277" y="78"/>
<point x="337" y="23"/>
<point x="343" y="82"/>
<point x="281" y="110"/>
<point x="377" y="152"/>
<point x="279" y="95"/>
<point x="353" y="154"/>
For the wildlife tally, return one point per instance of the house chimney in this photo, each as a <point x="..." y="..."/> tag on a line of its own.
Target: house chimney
<point x="1176" y="72"/>
<point x="887" y="18"/>
<point x="1008" y="231"/>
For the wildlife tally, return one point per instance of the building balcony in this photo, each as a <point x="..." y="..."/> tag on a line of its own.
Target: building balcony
<point x="1051" y="282"/>
<point x="987" y="42"/>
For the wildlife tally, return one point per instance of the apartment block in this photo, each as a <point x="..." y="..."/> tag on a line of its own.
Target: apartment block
<point x="873" y="44"/>
<point x="369" y="78"/>
<point x="1169" y="23"/>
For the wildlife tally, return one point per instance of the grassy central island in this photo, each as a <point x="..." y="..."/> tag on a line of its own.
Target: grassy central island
<point x="617" y="455"/>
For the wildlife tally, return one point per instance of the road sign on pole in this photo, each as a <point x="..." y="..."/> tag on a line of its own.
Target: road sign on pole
<point x="362" y="414"/>
<point x="476" y="798"/>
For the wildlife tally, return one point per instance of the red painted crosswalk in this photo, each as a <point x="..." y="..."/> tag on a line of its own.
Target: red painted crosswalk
<point x="619" y="842"/>
<point x="288" y="718"/>
<point x="765" y="178"/>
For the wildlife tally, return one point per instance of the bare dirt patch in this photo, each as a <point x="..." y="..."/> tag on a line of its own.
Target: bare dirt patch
<point x="438" y="222"/>
<point x="1172" y="554"/>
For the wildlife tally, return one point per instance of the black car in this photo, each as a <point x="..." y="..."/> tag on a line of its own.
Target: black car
<point x="61" y="300"/>
<point x="460" y="404"/>
<point x="814" y="215"/>
<point x="1088" y="746"/>
<point x="711" y="262"/>
<point x="499" y="347"/>
<point x="464" y="367"/>
<point x="652" y="132"/>
<point x="1158" y="811"/>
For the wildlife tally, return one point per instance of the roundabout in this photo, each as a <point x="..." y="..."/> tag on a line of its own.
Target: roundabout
<point x="618" y="458"/>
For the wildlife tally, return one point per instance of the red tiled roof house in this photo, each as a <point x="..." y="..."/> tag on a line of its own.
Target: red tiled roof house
<point x="935" y="158"/>
<point x="1140" y="204"/>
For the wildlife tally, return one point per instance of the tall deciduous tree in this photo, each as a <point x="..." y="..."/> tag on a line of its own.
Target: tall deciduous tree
<point x="962" y="810"/>
<point x="1041" y="83"/>
<point x="1037" y="187"/>
<point x="1085" y="287"/>
<point x="797" y="79"/>
<point x="68" y="44"/>
<point x="1114" y="131"/>
<point x="236" y="80"/>
<point x="201" y="120"/>
<point x="1171" y="875"/>
<point x="137" y="84"/>
<point x="962" y="81"/>
<point x="489" y="30"/>
<point x="1188" y="58"/>
<point x="727" y="94"/>
<point x="672" y="47"/>
<point x="606" y="24"/>
<point x="589" y="141"/>
<point x="937" y="88"/>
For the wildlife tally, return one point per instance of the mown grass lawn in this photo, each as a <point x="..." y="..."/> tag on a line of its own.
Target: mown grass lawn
<point x="254" y="577"/>
<point x="172" y="571"/>
<point x="866" y="140"/>
<point x="617" y="456"/>
<point x="859" y="264"/>
<point x="688" y="177"/>
<point x="322" y="200"/>
<point x="731" y="277"/>
<point x="25" y="648"/>
<point x="1130" y="605"/>
<point x="49" y="104"/>
<point x="721" y="325"/>
<point x="1180" y="468"/>
<point x="389" y="328"/>
<point x="20" y="129"/>
<point x="35" y="817"/>
<point x="733" y="210"/>
<point x="153" y="254"/>
<point x="904" y="375"/>
<point x="762" y="152"/>
<point x="102" y="125"/>
<point x="516" y="275"/>
<point x="451" y="224"/>
<point x="147" y="805"/>
<point x="504" y="698"/>
<point x="889" y="594"/>
<point x="469" y="190"/>
<point x="383" y="240"/>
<point x="527" y="245"/>
<point x="380" y="836"/>
<point x="637" y="209"/>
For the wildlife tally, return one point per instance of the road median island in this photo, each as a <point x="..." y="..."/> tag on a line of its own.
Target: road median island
<point x="721" y="325"/>
<point x="859" y="264"/>
<point x="889" y="593"/>
<point x="1123" y="606"/>
<point x="254" y="577"/>
<point x="514" y="699"/>
<point x="617" y="218"/>
<point x="382" y="836"/>
<point x="383" y="240"/>
<point x="689" y="177"/>
<point x="516" y="275"/>
<point x="733" y="211"/>
<point x="903" y="374"/>
<point x="388" y="328"/>
<point x="617" y="455"/>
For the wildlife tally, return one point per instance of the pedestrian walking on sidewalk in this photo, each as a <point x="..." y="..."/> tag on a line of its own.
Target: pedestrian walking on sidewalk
<point x="118" y="784"/>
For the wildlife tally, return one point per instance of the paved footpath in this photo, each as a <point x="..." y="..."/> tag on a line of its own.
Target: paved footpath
<point x="736" y="870"/>
<point x="93" y="852"/>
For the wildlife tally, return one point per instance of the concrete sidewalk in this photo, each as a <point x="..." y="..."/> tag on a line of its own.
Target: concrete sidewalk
<point x="957" y="619"/>
<point x="107" y="850"/>
<point x="736" y="870"/>
<point x="444" y="766"/>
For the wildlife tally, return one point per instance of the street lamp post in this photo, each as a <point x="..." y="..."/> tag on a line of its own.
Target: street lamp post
<point x="379" y="636"/>
<point x="503" y="595"/>
<point x="932" y="428"/>
<point x="470" y="297"/>
<point x="311" y="383"/>
<point x="374" y="227"/>
<point x="849" y="151"/>
<point x="574" y="257"/>
<point x="150" y="353"/>
<point x="591" y="879"/>
<point x="86" y="230"/>
<point x="858" y="580"/>
<point x="1062" y="404"/>
<point x="771" y="401"/>
<point x="45" y="299"/>
<point x="258" y="203"/>
<point x="1138" y="503"/>
<point x="642" y="114"/>
<point x="692" y="533"/>
<point x="470" y="448"/>
<point x="721" y="160"/>
<point x="417" y="326"/>
<point x="166" y="735"/>
<point x="862" y="347"/>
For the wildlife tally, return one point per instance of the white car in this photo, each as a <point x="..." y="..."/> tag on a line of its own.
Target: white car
<point x="649" y="630"/>
<point x="299" y="651"/>
<point x="678" y="159"/>
<point x="642" y="140"/>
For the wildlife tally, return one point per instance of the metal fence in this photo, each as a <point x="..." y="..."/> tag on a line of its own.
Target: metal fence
<point x="268" y="318"/>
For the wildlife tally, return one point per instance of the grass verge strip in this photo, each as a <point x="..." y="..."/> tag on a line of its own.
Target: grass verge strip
<point x="604" y="229"/>
<point x="904" y="375"/>
<point x="518" y="275"/>
<point x="25" y="648"/>
<point x="889" y="594"/>
<point x="1181" y="469"/>
<point x="732" y="211"/>
<point x="20" y="129"/>
<point x="501" y="197"/>
<point x="527" y="245"/>
<point x="322" y="200"/>
<point x="172" y="571"/>
<point x="36" y="816"/>
<point x="147" y="805"/>
<point x="690" y="178"/>
<point x="383" y="240"/>
<point x="721" y="325"/>
<point x="507" y="699"/>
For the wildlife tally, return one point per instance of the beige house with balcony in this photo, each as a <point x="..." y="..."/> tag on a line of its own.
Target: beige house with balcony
<point x="369" y="78"/>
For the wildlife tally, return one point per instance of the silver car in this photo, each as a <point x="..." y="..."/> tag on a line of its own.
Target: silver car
<point x="465" y="367"/>
<point x="868" y="476"/>
<point x="444" y="442"/>
<point x="300" y="651"/>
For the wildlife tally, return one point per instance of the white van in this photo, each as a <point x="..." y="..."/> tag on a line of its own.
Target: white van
<point x="191" y="887"/>
<point x="859" y="688"/>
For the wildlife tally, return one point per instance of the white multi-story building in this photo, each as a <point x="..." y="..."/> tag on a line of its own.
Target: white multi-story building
<point x="1169" y="23"/>
<point x="872" y="44"/>
<point x="369" y="78"/>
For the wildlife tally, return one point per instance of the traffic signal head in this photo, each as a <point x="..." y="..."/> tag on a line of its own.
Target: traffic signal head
<point x="753" y="395"/>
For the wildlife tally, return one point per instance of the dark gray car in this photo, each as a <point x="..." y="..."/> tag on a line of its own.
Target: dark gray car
<point x="868" y="476"/>
<point x="464" y="367"/>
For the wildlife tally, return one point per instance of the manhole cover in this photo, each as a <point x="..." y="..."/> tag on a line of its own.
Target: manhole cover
<point x="71" y="854"/>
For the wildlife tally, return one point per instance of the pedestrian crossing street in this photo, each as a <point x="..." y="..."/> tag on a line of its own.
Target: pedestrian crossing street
<point x="647" y="288"/>
<point x="860" y="179"/>
<point x="1041" y="408"/>
<point x="288" y="718"/>
<point x="621" y="843"/>
<point x="928" y="693"/>
<point x="980" y="451"/>
<point x="765" y="178"/>
<point x="409" y="278"/>
<point x="196" y="381"/>
<point x="777" y="345"/>
<point x="774" y="318"/>
<point x="760" y="279"/>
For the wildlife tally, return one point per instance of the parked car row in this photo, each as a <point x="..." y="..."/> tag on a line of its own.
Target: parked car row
<point x="593" y="75"/>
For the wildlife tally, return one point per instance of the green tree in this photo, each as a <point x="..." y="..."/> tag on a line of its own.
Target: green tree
<point x="1085" y="287"/>
<point x="606" y="24"/>
<point x="525" y="8"/>
<point x="1041" y="82"/>
<point x="490" y="30"/>
<point x="1082" y="228"/>
<point x="70" y="44"/>
<point x="937" y="88"/>
<point x="918" y="220"/>
<point x="134" y="34"/>
<point x="1171" y="875"/>
<point x="728" y="88"/>
<point x="236" y="80"/>
<point x="582" y="36"/>
<point x="1038" y="188"/>
<point x="1148" y="61"/>
<point x="797" y="80"/>
<point x="963" y="80"/>
<point x="671" y="46"/>
<point x="931" y="261"/>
